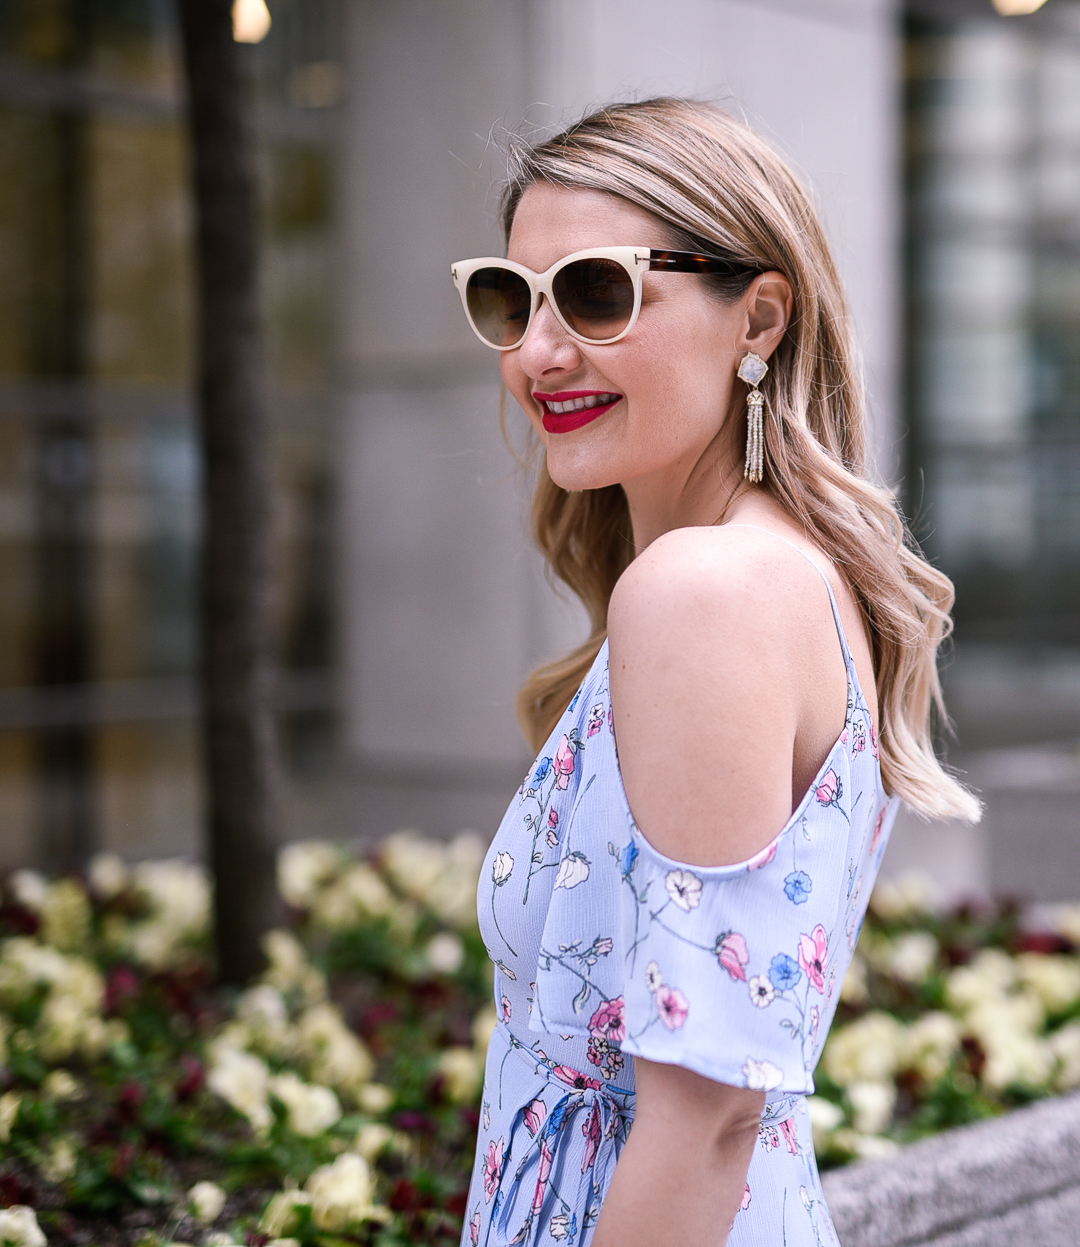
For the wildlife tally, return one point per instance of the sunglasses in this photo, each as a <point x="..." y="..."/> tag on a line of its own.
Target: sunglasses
<point x="595" y="294"/>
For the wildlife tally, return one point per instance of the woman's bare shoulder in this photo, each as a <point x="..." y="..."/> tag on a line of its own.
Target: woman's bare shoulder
<point x="706" y="631"/>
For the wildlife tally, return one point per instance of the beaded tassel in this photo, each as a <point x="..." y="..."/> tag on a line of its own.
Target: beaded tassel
<point x="755" y="436"/>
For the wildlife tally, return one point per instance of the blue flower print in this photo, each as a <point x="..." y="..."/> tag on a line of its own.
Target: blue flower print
<point x="797" y="887"/>
<point x="784" y="972"/>
<point x="542" y="769"/>
<point x="628" y="858"/>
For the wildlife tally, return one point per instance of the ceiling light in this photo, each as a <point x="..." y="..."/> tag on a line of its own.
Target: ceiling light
<point x="250" y="21"/>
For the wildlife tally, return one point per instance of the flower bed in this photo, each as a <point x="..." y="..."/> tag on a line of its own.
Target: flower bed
<point x="336" y="1099"/>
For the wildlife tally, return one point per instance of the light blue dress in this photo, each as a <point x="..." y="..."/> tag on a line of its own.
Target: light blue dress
<point x="606" y="949"/>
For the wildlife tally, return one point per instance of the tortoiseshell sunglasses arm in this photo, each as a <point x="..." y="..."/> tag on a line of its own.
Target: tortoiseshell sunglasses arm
<point x="695" y="262"/>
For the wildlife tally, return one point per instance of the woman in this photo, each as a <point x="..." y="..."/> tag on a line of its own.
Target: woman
<point x="674" y="895"/>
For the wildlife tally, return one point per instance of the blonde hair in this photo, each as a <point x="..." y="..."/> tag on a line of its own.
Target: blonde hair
<point x="719" y="188"/>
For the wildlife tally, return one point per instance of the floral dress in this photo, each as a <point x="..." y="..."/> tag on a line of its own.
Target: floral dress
<point x="605" y="949"/>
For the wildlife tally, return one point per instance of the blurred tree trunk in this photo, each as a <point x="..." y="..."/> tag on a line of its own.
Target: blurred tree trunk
<point x="237" y="664"/>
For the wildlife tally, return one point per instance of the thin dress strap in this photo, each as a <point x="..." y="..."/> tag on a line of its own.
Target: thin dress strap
<point x="849" y="662"/>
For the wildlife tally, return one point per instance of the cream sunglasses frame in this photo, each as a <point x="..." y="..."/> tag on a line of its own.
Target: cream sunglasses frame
<point x="635" y="260"/>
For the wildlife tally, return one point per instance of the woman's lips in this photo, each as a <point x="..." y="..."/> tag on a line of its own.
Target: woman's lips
<point x="577" y="410"/>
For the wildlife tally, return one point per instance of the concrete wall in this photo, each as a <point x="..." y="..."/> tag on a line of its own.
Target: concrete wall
<point x="443" y="608"/>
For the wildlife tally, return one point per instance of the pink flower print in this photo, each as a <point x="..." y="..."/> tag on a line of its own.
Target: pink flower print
<point x="732" y="955"/>
<point x="873" y="741"/>
<point x="813" y="956"/>
<point x="745" y="1199"/>
<point x="507" y="1008"/>
<point x="611" y="722"/>
<point x="535" y="1115"/>
<point x="877" y="831"/>
<point x="769" y="1137"/>
<point x="552" y="838"/>
<point x="553" y="819"/>
<point x="609" y="1021"/>
<point x="493" y="1163"/>
<point x="763" y="858"/>
<point x="674" y="1007"/>
<point x="574" y="1079"/>
<point x="596" y="720"/>
<point x="564" y="764"/>
<point x="603" y="946"/>
<point x="790" y="1138"/>
<point x="591" y="1131"/>
<point x="830" y="790"/>
<point x="542" y="1177"/>
<point x="474" y="1229"/>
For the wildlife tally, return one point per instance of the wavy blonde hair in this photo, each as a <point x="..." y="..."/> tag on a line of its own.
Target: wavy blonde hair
<point x="720" y="189"/>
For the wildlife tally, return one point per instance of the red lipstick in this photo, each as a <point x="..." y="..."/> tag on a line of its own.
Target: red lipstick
<point x="566" y="421"/>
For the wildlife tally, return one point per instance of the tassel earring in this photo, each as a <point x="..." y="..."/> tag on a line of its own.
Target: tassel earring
<point x="751" y="370"/>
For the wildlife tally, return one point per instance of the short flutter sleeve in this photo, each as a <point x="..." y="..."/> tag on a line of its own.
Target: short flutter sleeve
<point x="733" y="972"/>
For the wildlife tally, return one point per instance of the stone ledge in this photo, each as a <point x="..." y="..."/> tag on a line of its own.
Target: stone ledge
<point x="1010" y="1180"/>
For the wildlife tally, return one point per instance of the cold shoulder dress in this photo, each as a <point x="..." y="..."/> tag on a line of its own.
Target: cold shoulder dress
<point x="606" y="949"/>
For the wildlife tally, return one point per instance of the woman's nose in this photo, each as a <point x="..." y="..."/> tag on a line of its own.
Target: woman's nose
<point x="547" y="347"/>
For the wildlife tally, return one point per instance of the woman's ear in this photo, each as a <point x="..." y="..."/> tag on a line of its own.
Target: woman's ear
<point x="768" y="313"/>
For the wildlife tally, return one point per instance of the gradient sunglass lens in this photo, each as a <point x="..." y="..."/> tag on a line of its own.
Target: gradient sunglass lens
<point x="499" y="301"/>
<point x="595" y="296"/>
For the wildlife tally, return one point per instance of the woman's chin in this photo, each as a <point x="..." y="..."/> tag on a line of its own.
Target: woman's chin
<point x="576" y="473"/>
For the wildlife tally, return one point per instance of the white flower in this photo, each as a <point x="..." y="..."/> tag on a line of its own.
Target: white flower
<point x="336" y="1056"/>
<point x="867" y="1050"/>
<point x="684" y="888"/>
<point x="873" y="1104"/>
<point x="108" y="875"/>
<point x="445" y="953"/>
<point x="1053" y="978"/>
<point x="907" y="896"/>
<point x="373" y="1097"/>
<point x="560" y="1225"/>
<point x="304" y="869"/>
<point x="61" y="1086"/>
<point x="991" y="974"/>
<point x="762" y="992"/>
<point x="501" y="868"/>
<point x="289" y="969"/>
<point x="929" y="1044"/>
<point x="311" y="1109"/>
<point x="483" y="1027"/>
<point x="762" y="1075"/>
<point x="462" y="1071"/>
<point x="279" y="1215"/>
<point x="911" y="957"/>
<point x="243" y="1081"/>
<point x="654" y="980"/>
<point x="1065" y="1045"/>
<point x="19" y="1227"/>
<point x="207" y="1200"/>
<point x="29" y="888"/>
<point x="61" y="1162"/>
<point x="341" y="1193"/>
<point x="573" y="869"/>
<point x="9" y="1111"/>
<point x="263" y="1006"/>
<point x="179" y="896"/>
<point x="865" y="1146"/>
<point x="65" y="915"/>
<point x="372" y="1139"/>
<point x="854" y="989"/>
<point x="360" y="894"/>
<point x="825" y="1116"/>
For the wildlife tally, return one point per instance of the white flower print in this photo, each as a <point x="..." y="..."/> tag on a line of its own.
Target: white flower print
<point x="653" y="978"/>
<point x="573" y="869"/>
<point x="762" y="992"/>
<point x="502" y="868"/>
<point x="762" y="1075"/>
<point x="684" y="888"/>
<point x="560" y="1225"/>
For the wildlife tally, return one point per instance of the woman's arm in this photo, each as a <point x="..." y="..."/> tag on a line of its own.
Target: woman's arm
<point x="682" y="1174"/>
